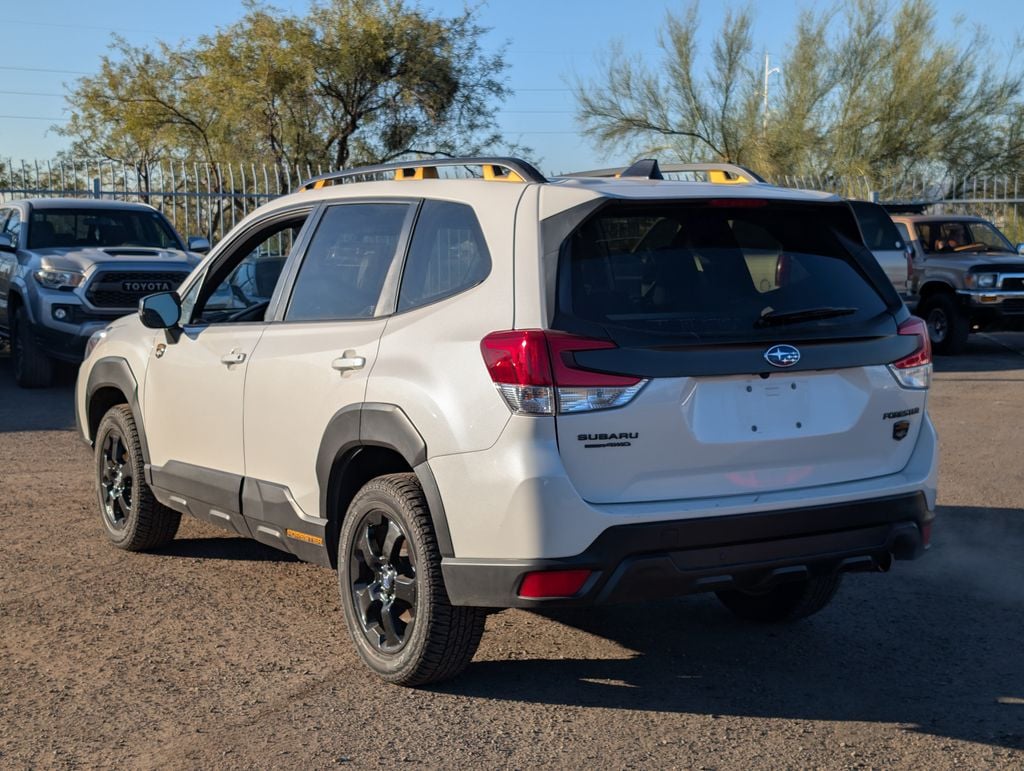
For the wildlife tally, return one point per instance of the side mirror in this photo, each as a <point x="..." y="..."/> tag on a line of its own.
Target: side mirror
<point x="1020" y="248"/>
<point x="6" y="245"/>
<point x="198" y="244"/>
<point x="160" y="311"/>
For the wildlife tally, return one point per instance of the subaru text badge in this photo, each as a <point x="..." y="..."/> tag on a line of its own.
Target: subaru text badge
<point x="782" y="356"/>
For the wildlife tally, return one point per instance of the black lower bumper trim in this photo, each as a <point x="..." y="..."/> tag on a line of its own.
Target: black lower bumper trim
<point x="633" y="563"/>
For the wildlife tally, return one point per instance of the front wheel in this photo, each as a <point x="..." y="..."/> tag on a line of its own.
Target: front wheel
<point x="133" y="519"/>
<point x="786" y="602"/>
<point x="948" y="325"/>
<point x="32" y="368"/>
<point x="392" y="592"/>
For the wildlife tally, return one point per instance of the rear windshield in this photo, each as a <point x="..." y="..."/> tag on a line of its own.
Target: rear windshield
<point x="81" y="227"/>
<point x="693" y="272"/>
<point x="880" y="234"/>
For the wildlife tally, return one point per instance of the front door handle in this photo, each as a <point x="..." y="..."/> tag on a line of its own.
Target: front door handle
<point x="232" y="358"/>
<point x="348" y="361"/>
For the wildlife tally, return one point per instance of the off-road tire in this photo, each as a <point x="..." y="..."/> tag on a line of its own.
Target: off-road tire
<point x="948" y="325"/>
<point x="442" y="638"/>
<point x="147" y="524"/>
<point x="32" y="368"/>
<point x="785" y="602"/>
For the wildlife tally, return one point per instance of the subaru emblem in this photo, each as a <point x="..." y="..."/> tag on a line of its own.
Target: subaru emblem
<point x="782" y="356"/>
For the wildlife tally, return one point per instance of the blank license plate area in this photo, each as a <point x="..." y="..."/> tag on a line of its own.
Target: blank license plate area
<point x="776" y="408"/>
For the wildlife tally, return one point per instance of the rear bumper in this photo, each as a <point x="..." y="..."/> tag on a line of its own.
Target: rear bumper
<point x="645" y="561"/>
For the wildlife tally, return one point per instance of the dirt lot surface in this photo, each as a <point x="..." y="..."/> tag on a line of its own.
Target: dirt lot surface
<point x="219" y="652"/>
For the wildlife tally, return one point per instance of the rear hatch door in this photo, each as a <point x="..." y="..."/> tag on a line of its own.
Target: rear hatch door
<point x="764" y="333"/>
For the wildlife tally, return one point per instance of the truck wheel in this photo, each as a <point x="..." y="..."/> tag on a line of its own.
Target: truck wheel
<point x="133" y="519"/>
<point x="392" y="592"/>
<point x="948" y="325"/>
<point x="786" y="602"/>
<point x="32" y="367"/>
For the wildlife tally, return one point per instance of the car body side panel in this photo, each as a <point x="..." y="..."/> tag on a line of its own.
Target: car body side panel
<point x="429" y="360"/>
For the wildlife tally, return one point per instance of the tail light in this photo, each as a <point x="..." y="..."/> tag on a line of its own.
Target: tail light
<point x="536" y="373"/>
<point x="915" y="370"/>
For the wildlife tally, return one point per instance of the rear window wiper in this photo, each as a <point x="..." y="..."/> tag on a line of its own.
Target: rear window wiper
<point x="772" y="318"/>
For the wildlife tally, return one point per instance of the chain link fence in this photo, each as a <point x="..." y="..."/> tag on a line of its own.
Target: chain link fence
<point x="208" y="199"/>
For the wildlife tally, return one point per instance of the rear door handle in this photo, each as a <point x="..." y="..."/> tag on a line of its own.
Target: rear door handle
<point x="232" y="358"/>
<point x="348" y="361"/>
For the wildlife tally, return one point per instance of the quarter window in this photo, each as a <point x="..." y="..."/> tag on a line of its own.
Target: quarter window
<point x="448" y="255"/>
<point x="348" y="258"/>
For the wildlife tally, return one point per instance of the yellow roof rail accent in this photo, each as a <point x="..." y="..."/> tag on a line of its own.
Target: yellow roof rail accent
<point x="497" y="169"/>
<point x="416" y="172"/>
<point x="722" y="177"/>
<point x="500" y="174"/>
<point x="717" y="172"/>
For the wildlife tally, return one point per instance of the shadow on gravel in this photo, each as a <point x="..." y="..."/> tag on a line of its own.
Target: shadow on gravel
<point x="934" y="646"/>
<point x="43" y="409"/>
<point x="224" y="549"/>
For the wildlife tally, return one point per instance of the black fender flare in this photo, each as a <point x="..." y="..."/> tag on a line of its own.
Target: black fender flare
<point x="18" y="291"/>
<point x="375" y="424"/>
<point x="115" y="372"/>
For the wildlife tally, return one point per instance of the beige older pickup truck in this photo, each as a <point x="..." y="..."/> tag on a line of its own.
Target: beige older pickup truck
<point x="967" y="277"/>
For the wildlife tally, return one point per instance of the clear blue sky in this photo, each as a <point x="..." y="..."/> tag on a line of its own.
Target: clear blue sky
<point x="49" y="43"/>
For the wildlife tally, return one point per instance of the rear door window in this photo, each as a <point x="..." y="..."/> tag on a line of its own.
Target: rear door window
<point x="694" y="272"/>
<point x="343" y="271"/>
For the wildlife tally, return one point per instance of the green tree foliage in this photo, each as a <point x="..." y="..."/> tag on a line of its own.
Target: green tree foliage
<point x="867" y="87"/>
<point x="352" y="81"/>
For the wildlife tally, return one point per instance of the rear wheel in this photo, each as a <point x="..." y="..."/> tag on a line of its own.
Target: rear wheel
<point x="392" y="592"/>
<point x="786" y="602"/>
<point x="132" y="518"/>
<point x="32" y="368"/>
<point x="948" y="325"/>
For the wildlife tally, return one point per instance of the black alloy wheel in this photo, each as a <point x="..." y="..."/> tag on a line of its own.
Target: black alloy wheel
<point x="116" y="481"/>
<point x="393" y="596"/>
<point x="133" y="519"/>
<point x="382" y="580"/>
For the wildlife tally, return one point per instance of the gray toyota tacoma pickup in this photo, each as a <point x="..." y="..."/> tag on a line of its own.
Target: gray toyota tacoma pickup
<point x="967" y="277"/>
<point x="68" y="267"/>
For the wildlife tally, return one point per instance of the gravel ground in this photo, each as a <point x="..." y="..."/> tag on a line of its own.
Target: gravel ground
<point x="218" y="651"/>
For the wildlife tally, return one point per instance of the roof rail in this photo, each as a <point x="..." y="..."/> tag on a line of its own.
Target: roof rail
<point x="719" y="173"/>
<point x="496" y="169"/>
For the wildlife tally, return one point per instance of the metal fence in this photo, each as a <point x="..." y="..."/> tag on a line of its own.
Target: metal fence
<point x="208" y="199"/>
<point x="999" y="198"/>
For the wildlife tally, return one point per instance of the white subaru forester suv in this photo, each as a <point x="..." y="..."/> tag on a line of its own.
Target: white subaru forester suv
<point x="511" y="391"/>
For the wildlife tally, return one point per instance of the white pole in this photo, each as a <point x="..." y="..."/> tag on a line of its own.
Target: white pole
<point x="768" y="70"/>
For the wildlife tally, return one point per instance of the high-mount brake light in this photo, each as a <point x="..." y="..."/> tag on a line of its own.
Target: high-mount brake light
<point x="536" y="373"/>
<point x="737" y="203"/>
<point x="915" y="370"/>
